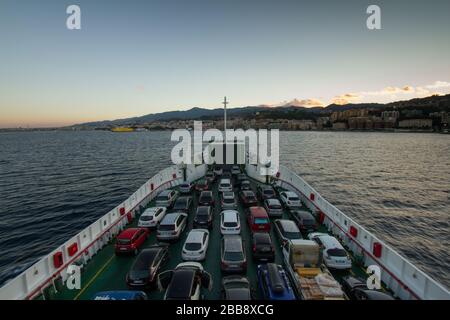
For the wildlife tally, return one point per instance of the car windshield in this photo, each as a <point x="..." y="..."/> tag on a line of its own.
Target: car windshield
<point x="294" y="199"/>
<point x="123" y="241"/>
<point x="202" y="212"/>
<point x="268" y="192"/>
<point x="166" y="227"/>
<point x="228" y="200"/>
<point x="193" y="246"/>
<point x="308" y="221"/>
<point x="207" y="198"/>
<point x="180" y="204"/>
<point x="337" y="252"/>
<point x="233" y="256"/>
<point x="185" y="185"/>
<point x="146" y="218"/>
<point x="261" y="220"/>
<point x="293" y="235"/>
<point x="161" y="198"/>
<point x="275" y="206"/>
<point x="224" y="185"/>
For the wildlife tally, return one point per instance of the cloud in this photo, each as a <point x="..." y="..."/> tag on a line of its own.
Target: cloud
<point x="346" y="98"/>
<point x="438" y="85"/>
<point x="312" y="102"/>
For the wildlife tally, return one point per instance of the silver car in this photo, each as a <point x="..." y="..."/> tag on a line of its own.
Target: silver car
<point x="273" y="207"/>
<point x="186" y="187"/>
<point x="233" y="258"/>
<point x="166" y="198"/>
<point x="171" y="226"/>
<point x="228" y="200"/>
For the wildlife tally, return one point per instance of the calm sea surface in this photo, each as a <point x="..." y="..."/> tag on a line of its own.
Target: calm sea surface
<point x="53" y="184"/>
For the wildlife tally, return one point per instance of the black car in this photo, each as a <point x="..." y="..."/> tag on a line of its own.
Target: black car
<point x="264" y="192"/>
<point x="262" y="247"/>
<point x="304" y="220"/>
<point x="239" y="178"/>
<point x="245" y="185"/>
<point x="210" y="176"/>
<point x="206" y="199"/>
<point x="182" y="204"/>
<point x="184" y="282"/>
<point x="147" y="265"/>
<point x="236" y="288"/>
<point x="356" y="289"/>
<point x="203" y="217"/>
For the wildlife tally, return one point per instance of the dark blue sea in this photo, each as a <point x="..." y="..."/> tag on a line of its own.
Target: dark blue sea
<point x="54" y="184"/>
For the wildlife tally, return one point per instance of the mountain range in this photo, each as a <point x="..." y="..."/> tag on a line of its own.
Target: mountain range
<point x="202" y="113"/>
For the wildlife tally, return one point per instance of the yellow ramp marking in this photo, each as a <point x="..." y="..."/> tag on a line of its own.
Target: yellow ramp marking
<point x="93" y="278"/>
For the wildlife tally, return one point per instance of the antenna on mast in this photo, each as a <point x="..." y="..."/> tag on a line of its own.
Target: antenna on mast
<point x="225" y="102"/>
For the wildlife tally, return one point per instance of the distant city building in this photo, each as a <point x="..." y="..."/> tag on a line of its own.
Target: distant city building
<point x="415" y="124"/>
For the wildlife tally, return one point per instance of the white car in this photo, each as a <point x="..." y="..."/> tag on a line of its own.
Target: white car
<point x="334" y="254"/>
<point x="230" y="222"/>
<point x="225" y="185"/>
<point x="290" y="199"/>
<point x="228" y="200"/>
<point x="151" y="217"/>
<point x="166" y="198"/>
<point x="196" y="245"/>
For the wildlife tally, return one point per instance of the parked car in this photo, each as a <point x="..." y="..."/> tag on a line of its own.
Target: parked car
<point x="183" y="204"/>
<point x="206" y="199"/>
<point x="171" y="226"/>
<point x="226" y="175"/>
<point x="274" y="283"/>
<point x="120" y="295"/>
<point x="305" y="220"/>
<point x="248" y="198"/>
<point x="258" y="220"/>
<point x="356" y="289"/>
<point x="273" y="207"/>
<point x="290" y="200"/>
<point x="196" y="245"/>
<point x="185" y="281"/>
<point x="287" y="230"/>
<point x="230" y="222"/>
<point x="218" y="171"/>
<point x="130" y="240"/>
<point x="228" y="200"/>
<point x="233" y="257"/>
<point x="225" y="185"/>
<point x="334" y="254"/>
<point x="210" y="176"/>
<point x="264" y="192"/>
<point x="166" y="198"/>
<point x="186" y="187"/>
<point x="239" y="178"/>
<point x="203" y="217"/>
<point x="202" y="185"/>
<point x="262" y="247"/>
<point x="245" y="185"/>
<point x="148" y="263"/>
<point x="235" y="170"/>
<point x="236" y="287"/>
<point x="151" y="217"/>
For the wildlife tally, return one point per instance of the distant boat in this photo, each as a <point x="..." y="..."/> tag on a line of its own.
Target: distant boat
<point x="122" y="129"/>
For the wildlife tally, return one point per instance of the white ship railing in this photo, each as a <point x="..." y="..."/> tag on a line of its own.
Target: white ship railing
<point x="403" y="278"/>
<point x="43" y="273"/>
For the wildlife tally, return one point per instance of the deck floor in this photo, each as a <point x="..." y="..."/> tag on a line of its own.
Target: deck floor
<point x="106" y="271"/>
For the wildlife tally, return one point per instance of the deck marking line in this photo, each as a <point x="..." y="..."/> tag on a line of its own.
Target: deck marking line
<point x="94" y="277"/>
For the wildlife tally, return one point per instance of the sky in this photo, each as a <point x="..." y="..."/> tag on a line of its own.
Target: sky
<point x="132" y="58"/>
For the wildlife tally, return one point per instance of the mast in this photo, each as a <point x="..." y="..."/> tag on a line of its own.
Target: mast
<point x="225" y="102"/>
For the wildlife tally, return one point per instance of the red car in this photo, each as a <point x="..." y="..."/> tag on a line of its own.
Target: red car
<point x="202" y="185"/>
<point x="130" y="240"/>
<point x="248" y="198"/>
<point x="258" y="219"/>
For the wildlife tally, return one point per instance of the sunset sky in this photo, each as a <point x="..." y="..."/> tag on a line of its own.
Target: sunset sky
<point x="132" y="58"/>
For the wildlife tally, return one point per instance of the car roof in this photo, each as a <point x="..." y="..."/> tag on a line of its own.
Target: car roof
<point x="228" y="194"/>
<point x="165" y="192"/>
<point x="330" y="242"/>
<point x="128" y="233"/>
<point x="259" y="212"/>
<point x="203" y="209"/>
<point x="291" y="194"/>
<point x="242" y="293"/>
<point x="261" y="236"/>
<point x="303" y="214"/>
<point x="195" y="236"/>
<point x="273" y="201"/>
<point x="233" y="243"/>
<point x="230" y="215"/>
<point x="206" y="193"/>
<point x="151" y="211"/>
<point x="170" y="218"/>
<point x="145" y="257"/>
<point x="181" y="284"/>
<point x="225" y="181"/>
<point x="288" y="225"/>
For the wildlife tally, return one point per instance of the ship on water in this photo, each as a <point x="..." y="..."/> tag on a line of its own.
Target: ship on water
<point x="217" y="217"/>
